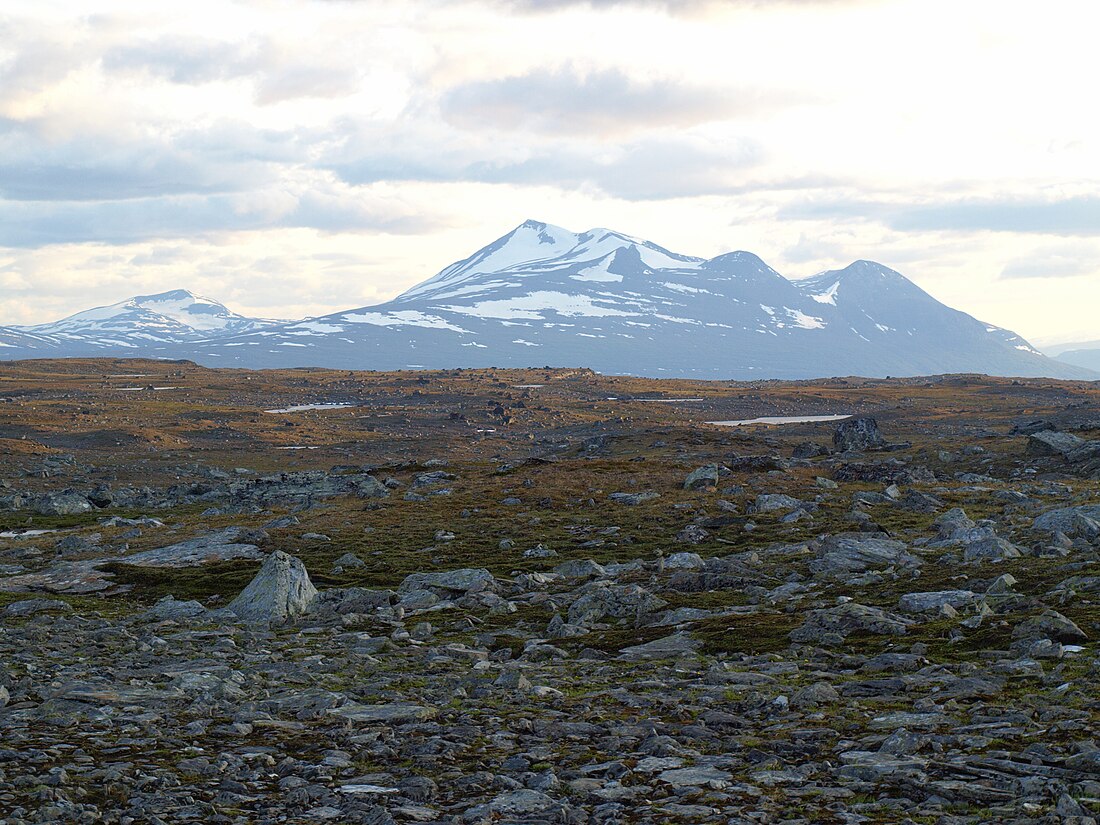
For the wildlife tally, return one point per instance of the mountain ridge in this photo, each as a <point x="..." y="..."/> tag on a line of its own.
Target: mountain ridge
<point x="601" y="299"/>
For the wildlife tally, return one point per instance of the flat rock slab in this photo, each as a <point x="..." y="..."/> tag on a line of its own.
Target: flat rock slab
<point x="696" y="777"/>
<point x="678" y="644"/>
<point x="396" y="714"/>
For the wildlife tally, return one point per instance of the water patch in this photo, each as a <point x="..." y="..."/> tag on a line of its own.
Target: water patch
<point x="781" y="419"/>
<point x="306" y="407"/>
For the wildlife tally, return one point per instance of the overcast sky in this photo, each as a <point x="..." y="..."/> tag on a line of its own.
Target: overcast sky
<point x="294" y="158"/>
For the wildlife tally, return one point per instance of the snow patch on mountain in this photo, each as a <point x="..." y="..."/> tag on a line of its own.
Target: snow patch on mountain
<point x="828" y="296"/>
<point x="530" y="306"/>
<point x="403" y="317"/>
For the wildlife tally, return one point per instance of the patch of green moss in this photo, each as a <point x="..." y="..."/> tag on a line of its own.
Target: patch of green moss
<point x="752" y="634"/>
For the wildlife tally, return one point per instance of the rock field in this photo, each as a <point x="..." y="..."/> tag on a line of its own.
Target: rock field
<point x="529" y="597"/>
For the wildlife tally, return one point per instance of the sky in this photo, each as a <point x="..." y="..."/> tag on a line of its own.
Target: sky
<point x="299" y="158"/>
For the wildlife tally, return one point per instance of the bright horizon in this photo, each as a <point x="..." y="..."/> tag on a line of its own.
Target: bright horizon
<point x="293" y="159"/>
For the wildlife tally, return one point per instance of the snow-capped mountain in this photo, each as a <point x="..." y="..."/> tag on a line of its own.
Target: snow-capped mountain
<point x="542" y="295"/>
<point x="144" y="321"/>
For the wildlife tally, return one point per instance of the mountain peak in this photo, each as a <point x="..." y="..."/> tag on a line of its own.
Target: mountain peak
<point x="170" y="315"/>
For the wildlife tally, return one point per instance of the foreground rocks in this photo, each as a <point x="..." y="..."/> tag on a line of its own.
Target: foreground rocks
<point x="601" y="623"/>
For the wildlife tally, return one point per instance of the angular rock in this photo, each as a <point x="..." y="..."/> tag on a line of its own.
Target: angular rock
<point x="279" y="592"/>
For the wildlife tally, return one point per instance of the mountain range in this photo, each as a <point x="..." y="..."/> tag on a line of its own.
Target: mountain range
<point x="1082" y="353"/>
<point x="542" y="295"/>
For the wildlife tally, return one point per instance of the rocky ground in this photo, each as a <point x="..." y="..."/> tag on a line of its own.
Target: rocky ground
<point x="544" y="596"/>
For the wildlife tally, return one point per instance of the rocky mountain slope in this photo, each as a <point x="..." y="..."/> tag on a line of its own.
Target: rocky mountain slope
<point x="600" y="299"/>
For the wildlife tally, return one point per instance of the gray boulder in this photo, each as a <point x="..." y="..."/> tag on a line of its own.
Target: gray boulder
<point x="465" y="580"/>
<point x="832" y="625"/>
<point x="991" y="548"/>
<point x="936" y="600"/>
<point x="858" y="434"/>
<point x="67" y="503"/>
<point x="279" y="592"/>
<point x="770" y="502"/>
<point x="633" y="499"/>
<point x="704" y="478"/>
<point x="171" y="609"/>
<point x="1049" y="442"/>
<point x="859" y="552"/>
<point x="581" y="569"/>
<point x="1050" y="625"/>
<point x="678" y="644"/>
<point x="621" y="601"/>
<point x="1072" y="521"/>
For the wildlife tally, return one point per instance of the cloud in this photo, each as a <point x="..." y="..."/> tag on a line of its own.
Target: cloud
<point x="655" y="167"/>
<point x="1079" y="215"/>
<point x="565" y="101"/>
<point x="303" y="80"/>
<point x="187" y="61"/>
<point x="812" y="249"/>
<point x="313" y="204"/>
<point x="100" y="167"/>
<point x="1063" y="261"/>
<point x="279" y="75"/>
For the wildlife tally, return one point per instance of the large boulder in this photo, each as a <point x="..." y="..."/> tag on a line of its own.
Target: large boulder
<point x="858" y="434"/>
<point x="858" y="552"/>
<point x="451" y="582"/>
<point x="936" y="600"/>
<point x="1050" y="625"/>
<point x="703" y="478"/>
<point x="1083" y="521"/>
<point x="991" y="548"/>
<point x="281" y="591"/>
<point x="770" y="502"/>
<point x="66" y="503"/>
<point x="832" y="625"/>
<point x="1050" y="442"/>
<point x="619" y="601"/>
